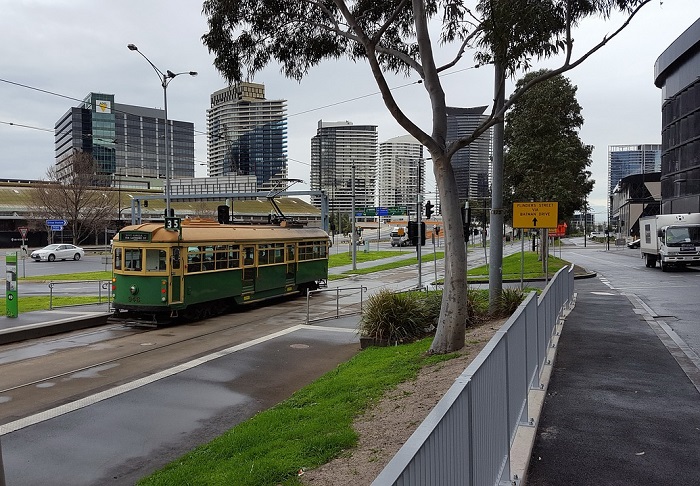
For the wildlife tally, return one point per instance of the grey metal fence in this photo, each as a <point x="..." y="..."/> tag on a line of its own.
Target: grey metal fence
<point x="466" y="439"/>
<point x="338" y="301"/>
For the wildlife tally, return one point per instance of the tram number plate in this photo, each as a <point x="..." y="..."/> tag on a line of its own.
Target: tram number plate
<point x="172" y="224"/>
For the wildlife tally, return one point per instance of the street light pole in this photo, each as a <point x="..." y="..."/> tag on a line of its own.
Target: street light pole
<point x="165" y="78"/>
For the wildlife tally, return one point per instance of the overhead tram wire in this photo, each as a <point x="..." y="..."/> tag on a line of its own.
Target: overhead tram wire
<point x="199" y="132"/>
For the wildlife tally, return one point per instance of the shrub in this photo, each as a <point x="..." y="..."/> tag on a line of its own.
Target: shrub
<point x="509" y="301"/>
<point x="396" y="318"/>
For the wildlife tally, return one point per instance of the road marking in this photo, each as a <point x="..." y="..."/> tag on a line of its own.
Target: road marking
<point x="113" y="392"/>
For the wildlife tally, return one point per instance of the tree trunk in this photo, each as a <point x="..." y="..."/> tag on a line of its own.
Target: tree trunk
<point x="451" y="329"/>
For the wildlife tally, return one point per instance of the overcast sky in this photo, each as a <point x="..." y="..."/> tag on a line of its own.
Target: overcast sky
<point x="59" y="51"/>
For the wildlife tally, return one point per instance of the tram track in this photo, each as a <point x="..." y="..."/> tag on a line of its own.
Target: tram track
<point x="118" y="359"/>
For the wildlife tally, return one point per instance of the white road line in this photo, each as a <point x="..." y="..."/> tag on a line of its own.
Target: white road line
<point x="98" y="397"/>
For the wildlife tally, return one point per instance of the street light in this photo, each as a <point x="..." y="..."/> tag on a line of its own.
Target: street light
<point x="165" y="78"/>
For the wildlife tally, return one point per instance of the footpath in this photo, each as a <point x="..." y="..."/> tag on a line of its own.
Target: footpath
<point x="623" y="402"/>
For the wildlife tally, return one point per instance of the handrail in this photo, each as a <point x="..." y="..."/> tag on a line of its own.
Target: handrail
<point x="101" y="285"/>
<point x="337" y="291"/>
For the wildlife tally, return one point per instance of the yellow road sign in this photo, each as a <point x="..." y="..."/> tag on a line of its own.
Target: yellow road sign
<point x="535" y="215"/>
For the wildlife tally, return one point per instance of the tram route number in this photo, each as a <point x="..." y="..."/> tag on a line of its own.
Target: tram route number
<point x="133" y="298"/>
<point x="172" y="224"/>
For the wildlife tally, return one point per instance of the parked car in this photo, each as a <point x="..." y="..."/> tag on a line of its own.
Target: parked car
<point x="634" y="243"/>
<point x="61" y="251"/>
<point x="595" y="234"/>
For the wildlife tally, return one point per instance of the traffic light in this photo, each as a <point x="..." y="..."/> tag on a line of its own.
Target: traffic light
<point x="428" y="209"/>
<point x="223" y="214"/>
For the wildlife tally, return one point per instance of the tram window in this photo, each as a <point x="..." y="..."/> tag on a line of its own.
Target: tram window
<point x="248" y="256"/>
<point x="132" y="259"/>
<point x="155" y="260"/>
<point x="176" y="258"/>
<point x="117" y="258"/>
<point x="234" y="257"/>
<point x="221" y="256"/>
<point x="208" y="257"/>
<point x="194" y="259"/>
<point x="263" y="255"/>
<point x="290" y="253"/>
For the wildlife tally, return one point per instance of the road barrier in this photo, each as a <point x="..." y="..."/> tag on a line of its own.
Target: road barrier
<point x="467" y="438"/>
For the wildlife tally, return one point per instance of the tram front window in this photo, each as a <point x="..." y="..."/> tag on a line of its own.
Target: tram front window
<point x="155" y="260"/>
<point x="132" y="259"/>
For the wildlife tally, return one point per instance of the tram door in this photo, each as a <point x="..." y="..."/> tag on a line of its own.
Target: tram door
<point x="248" y="284"/>
<point x="175" y="280"/>
<point x="291" y="264"/>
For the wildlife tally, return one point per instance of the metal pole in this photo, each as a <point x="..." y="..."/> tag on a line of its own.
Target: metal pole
<point x="496" y="247"/>
<point x="167" y="147"/>
<point x="2" y="468"/>
<point x="353" y="239"/>
<point x="419" y="205"/>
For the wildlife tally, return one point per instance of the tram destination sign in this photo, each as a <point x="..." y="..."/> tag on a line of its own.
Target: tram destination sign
<point x="535" y="215"/>
<point x="134" y="236"/>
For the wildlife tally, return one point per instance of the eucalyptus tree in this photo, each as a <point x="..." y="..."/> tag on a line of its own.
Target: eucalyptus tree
<point x="395" y="36"/>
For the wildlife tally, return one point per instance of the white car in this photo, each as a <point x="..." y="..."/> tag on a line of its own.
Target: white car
<point x="61" y="251"/>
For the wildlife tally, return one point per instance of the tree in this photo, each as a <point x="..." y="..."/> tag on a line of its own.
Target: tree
<point x="75" y="197"/>
<point x="545" y="159"/>
<point x="394" y="36"/>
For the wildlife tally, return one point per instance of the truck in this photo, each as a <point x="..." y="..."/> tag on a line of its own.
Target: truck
<point x="399" y="236"/>
<point x="673" y="240"/>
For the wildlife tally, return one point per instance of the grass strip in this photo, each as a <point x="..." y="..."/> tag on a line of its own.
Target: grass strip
<point x="41" y="302"/>
<point x="532" y="266"/>
<point x="99" y="275"/>
<point x="388" y="266"/>
<point x="309" y="429"/>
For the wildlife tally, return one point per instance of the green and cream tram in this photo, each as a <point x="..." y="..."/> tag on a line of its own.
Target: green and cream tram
<point x="205" y="267"/>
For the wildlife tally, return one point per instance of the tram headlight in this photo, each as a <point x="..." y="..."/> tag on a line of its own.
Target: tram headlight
<point x="134" y="290"/>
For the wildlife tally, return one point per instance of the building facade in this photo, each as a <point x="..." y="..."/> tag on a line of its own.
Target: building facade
<point x="627" y="160"/>
<point x="335" y="149"/>
<point x="400" y="169"/>
<point x="247" y="134"/>
<point x="677" y="73"/>
<point x="471" y="164"/>
<point x="124" y="140"/>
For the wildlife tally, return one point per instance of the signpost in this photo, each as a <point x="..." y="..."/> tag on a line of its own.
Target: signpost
<point x="534" y="215"/>
<point x="56" y="225"/>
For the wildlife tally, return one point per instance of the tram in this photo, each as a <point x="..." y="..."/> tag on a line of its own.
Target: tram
<point x="203" y="267"/>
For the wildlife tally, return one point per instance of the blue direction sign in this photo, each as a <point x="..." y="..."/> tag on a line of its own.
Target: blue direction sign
<point x="56" y="222"/>
<point x="56" y="227"/>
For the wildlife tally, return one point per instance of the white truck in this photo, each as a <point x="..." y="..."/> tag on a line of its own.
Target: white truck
<point x="670" y="239"/>
<point x="399" y="236"/>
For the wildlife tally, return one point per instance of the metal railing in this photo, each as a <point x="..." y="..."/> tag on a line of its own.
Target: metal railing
<point x="327" y="313"/>
<point x="103" y="293"/>
<point x="466" y="439"/>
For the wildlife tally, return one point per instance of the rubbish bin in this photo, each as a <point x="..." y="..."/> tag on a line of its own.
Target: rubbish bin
<point x="366" y="246"/>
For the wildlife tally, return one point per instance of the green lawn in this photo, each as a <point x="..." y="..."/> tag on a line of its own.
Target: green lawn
<point x="41" y="302"/>
<point x="305" y="431"/>
<point x="532" y="266"/>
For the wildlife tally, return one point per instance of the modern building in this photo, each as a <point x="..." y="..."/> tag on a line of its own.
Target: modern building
<point x="626" y="160"/>
<point x="677" y="73"/>
<point x="335" y="149"/>
<point x="400" y="173"/>
<point x="472" y="164"/>
<point x="247" y="134"/>
<point x="124" y="140"/>
<point x="634" y="196"/>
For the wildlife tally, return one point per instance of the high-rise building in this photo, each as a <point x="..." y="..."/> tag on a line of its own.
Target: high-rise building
<point x="676" y="73"/>
<point x="247" y="134"/>
<point x="124" y="140"/>
<point x="626" y="160"/>
<point x="400" y="165"/>
<point x="335" y="148"/>
<point x="471" y="164"/>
